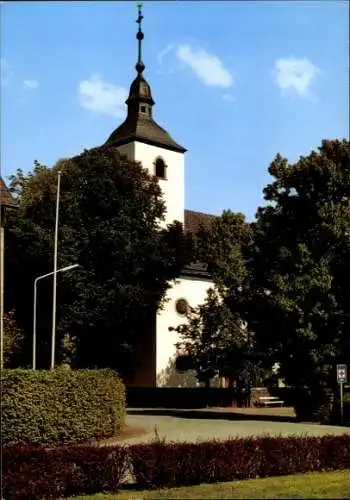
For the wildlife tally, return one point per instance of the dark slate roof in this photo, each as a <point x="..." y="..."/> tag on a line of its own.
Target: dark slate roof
<point x="193" y="220"/>
<point x="144" y="130"/>
<point x="196" y="270"/>
<point x="6" y="198"/>
<point x="141" y="126"/>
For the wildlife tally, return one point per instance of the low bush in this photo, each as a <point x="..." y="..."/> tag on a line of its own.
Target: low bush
<point x="159" y="465"/>
<point x="60" y="406"/>
<point x="336" y="418"/>
<point x="313" y="404"/>
<point x="346" y="403"/>
<point x="38" y="473"/>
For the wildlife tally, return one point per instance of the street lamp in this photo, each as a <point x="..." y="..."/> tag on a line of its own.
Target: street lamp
<point x="67" y="268"/>
<point x="6" y="202"/>
<point x="53" y="335"/>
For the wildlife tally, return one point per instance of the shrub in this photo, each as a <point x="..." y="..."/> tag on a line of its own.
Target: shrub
<point x="313" y="404"/>
<point x="60" y="406"/>
<point x="159" y="465"/>
<point x="289" y="455"/>
<point x="13" y="338"/>
<point x="347" y="409"/>
<point x="336" y="413"/>
<point x="38" y="473"/>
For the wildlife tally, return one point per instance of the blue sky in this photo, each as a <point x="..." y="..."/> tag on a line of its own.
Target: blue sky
<point x="234" y="82"/>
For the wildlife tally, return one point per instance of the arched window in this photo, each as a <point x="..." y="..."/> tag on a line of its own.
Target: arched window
<point x="160" y="168"/>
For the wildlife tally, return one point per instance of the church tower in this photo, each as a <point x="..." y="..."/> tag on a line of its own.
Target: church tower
<point x="141" y="139"/>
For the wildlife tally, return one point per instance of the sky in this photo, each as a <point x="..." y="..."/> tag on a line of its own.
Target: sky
<point x="234" y="82"/>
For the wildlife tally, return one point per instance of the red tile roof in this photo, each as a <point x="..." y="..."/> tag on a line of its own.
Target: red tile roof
<point x="193" y="220"/>
<point x="6" y="197"/>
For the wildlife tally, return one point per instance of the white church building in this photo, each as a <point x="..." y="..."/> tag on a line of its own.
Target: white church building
<point x="141" y="139"/>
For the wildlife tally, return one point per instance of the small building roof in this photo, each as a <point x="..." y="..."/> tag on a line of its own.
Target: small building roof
<point x="6" y="198"/>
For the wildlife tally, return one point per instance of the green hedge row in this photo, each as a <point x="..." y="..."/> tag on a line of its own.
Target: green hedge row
<point x="60" y="406"/>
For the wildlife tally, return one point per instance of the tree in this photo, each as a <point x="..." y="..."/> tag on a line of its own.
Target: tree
<point x="222" y="246"/>
<point x="215" y="335"/>
<point x="109" y="223"/>
<point x="13" y="338"/>
<point x="218" y="344"/>
<point x="301" y="263"/>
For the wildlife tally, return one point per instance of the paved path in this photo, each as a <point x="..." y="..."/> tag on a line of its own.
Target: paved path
<point x="194" y="425"/>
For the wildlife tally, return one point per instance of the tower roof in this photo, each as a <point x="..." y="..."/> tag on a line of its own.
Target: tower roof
<point x="139" y="124"/>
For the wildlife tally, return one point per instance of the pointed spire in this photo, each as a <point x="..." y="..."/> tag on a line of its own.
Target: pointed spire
<point x="139" y="124"/>
<point x="139" y="65"/>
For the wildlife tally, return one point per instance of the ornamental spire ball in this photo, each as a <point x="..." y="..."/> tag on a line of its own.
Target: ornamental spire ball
<point x="139" y="65"/>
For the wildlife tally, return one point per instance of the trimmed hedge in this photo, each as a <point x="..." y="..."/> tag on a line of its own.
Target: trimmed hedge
<point x="39" y="473"/>
<point x="60" y="406"/>
<point x="168" y="465"/>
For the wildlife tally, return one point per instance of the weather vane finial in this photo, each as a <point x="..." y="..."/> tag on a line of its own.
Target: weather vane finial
<point x="139" y="65"/>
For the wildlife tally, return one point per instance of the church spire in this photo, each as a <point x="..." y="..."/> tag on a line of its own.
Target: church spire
<point x="139" y="124"/>
<point x="139" y="65"/>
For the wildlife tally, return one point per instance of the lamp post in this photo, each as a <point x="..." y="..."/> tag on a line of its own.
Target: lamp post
<point x="6" y="202"/>
<point x="53" y="336"/>
<point x="67" y="268"/>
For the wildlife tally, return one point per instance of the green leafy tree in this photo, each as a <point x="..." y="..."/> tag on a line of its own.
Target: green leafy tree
<point x="218" y="344"/>
<point x="13" y="338"/>
<point x="301" y="263"/>
<point x="109" y="223"/>
<point x="215" y="335"/>
<point x="222" y="246"/>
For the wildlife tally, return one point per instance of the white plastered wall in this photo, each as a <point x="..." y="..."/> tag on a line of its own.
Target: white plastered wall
<point x="194" y="291"/>
<point x="173" y="187"/>
<point x="191" y="289"/>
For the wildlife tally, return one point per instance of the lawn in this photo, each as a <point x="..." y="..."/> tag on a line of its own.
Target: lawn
<point x="312" y="485"/>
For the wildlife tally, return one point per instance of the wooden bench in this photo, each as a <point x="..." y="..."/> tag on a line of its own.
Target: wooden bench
<point x="270" y="400"/>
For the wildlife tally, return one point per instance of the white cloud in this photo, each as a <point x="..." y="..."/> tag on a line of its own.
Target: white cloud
<point x="296" y="75"/>
<point x="208" y="67"/>
<point x="30" y="84"/>
<point x="102" y="97"/>
<point x="228" y="97"/>
<point x="6" y="72"/>
<point x="161" y="55"/>
<point x="169" y="48"/>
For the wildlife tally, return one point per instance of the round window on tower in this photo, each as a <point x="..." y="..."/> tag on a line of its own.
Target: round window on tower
<point x="182" y="307"/>
<point x="160" y="168"/>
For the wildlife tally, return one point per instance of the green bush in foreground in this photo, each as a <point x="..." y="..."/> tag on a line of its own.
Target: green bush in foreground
<point x="60" y="406"/>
